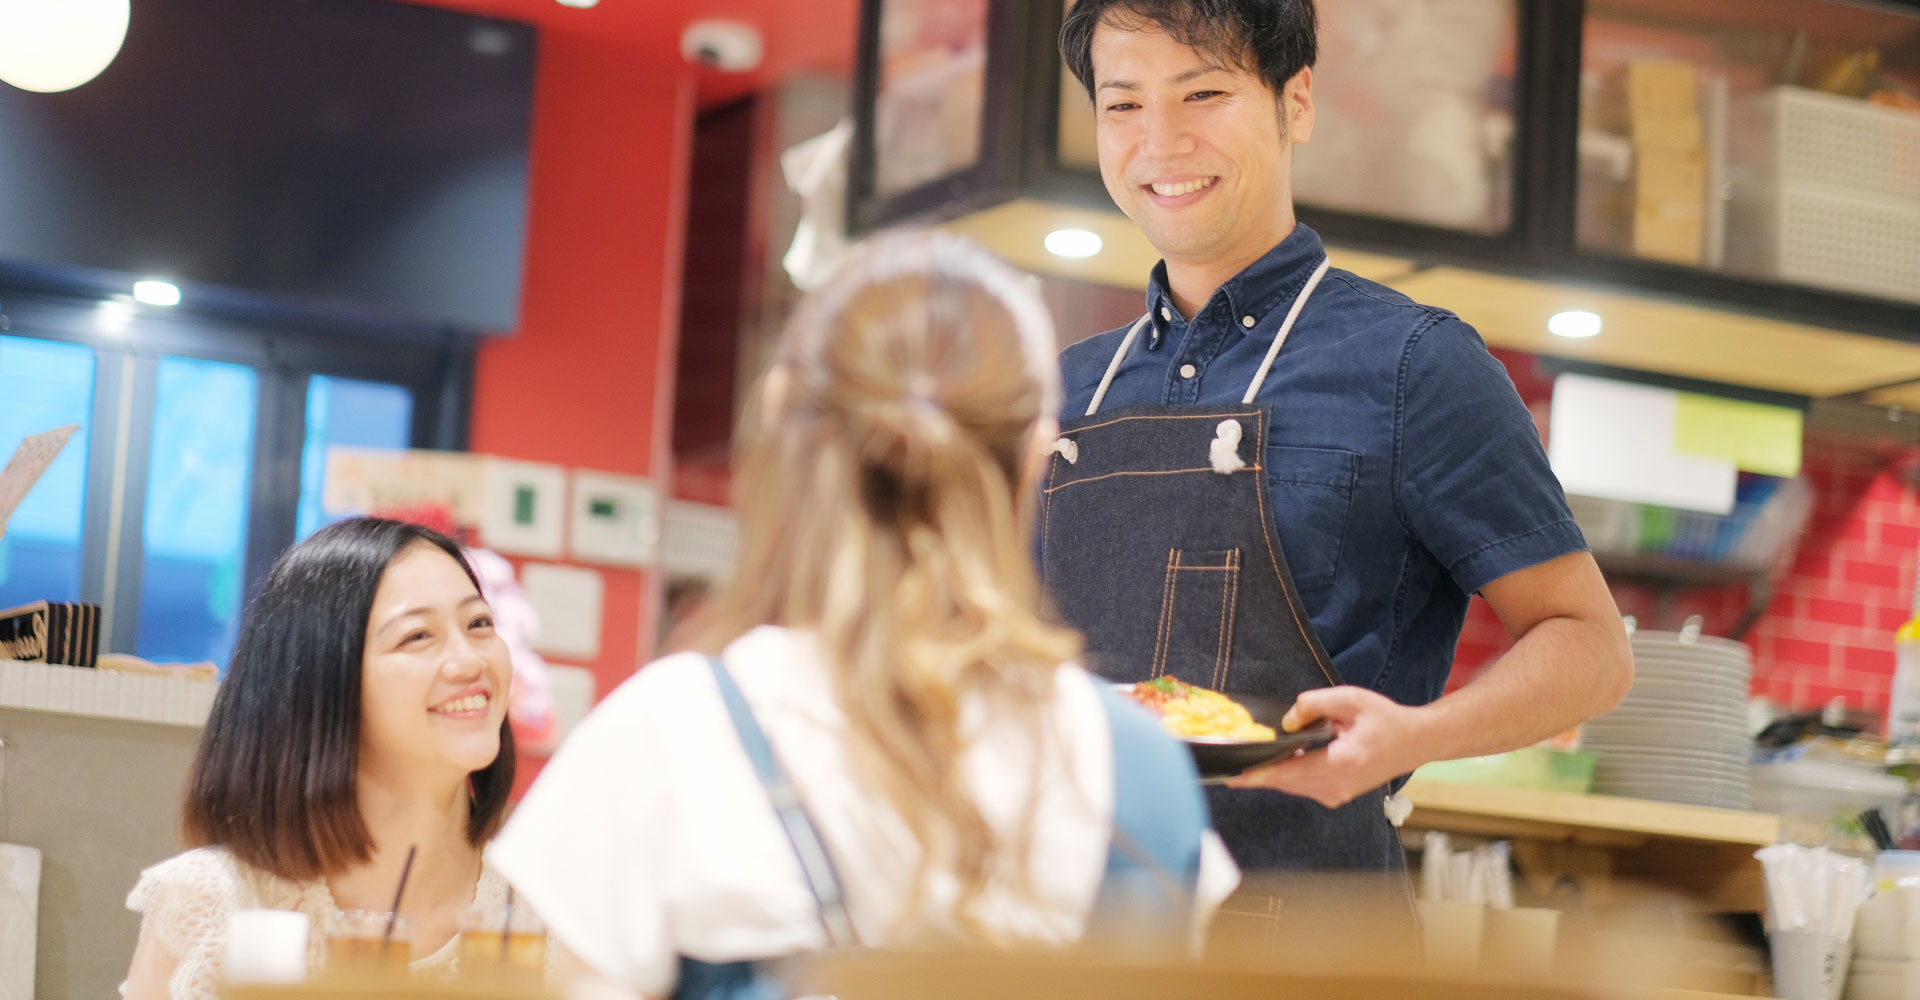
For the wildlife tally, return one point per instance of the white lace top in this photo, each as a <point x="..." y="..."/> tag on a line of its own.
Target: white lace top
<point x="185" y="901"/>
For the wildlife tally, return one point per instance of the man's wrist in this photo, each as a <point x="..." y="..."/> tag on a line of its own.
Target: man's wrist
<point x="1429" y="736"/>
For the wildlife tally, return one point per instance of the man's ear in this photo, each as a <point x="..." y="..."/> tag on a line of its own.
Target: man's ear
<point x="1296" y="102"/>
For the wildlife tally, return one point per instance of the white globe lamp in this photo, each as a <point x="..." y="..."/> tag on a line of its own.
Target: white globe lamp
<point x="48" y="46"/>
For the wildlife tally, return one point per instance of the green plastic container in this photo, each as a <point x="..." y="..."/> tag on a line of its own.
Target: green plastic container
<point x="1542" y="768"/>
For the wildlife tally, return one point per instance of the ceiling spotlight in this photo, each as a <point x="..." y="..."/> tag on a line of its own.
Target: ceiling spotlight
<point x="1073" y="243"/>
<point x="157" y="293"/>
<point x="48" y="46"/>
<point x="582" y="4"/>
<point x="1576" y="324"/>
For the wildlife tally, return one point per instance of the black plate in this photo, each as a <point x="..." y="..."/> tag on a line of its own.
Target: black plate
<point x="1218" y="759"/>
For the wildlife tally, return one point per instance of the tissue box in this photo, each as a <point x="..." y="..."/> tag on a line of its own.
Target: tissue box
<point x="1881" y="979"/>
<point x="51" y="632"/>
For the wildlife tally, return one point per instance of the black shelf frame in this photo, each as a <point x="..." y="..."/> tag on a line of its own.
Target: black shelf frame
<point x="1019" y="159"/>
<point x="1669" y="576"/>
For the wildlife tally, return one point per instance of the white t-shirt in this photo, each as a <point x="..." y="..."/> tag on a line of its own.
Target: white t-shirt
<point x="649" y="836"/>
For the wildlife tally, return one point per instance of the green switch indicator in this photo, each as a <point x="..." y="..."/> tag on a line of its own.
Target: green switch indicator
<point x="523" y="505"/>
<point x="604" y="507"/>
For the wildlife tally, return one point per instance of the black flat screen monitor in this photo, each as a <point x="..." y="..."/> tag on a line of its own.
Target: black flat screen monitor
<point x="360" y="153"/>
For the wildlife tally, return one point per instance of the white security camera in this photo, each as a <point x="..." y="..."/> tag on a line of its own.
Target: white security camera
<point x="724" y="45"/>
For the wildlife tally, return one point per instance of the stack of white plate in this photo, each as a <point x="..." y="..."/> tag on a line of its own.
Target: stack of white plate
<point x="1681" y="734"/>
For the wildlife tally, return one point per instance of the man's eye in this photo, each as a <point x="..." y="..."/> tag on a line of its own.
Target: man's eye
<point x="1201" y="95"/>
<point x="1122" y="106"/>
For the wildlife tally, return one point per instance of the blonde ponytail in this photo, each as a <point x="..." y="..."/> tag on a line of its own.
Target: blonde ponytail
<point x="883" y="507"/>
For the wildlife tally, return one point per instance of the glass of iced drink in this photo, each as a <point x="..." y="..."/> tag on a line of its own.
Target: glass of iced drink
<point x="358" y="942"/>
<point x="497" y="939"/>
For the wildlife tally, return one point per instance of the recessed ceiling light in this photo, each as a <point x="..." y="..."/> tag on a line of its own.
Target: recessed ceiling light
<point x="113" y="316"/>
<point x="1073" y="243"/>
<point x="157" y="293"/>
<point x="582" y="4"/>
<point x="1575" y="324"/>
<point x="48" y="46"/>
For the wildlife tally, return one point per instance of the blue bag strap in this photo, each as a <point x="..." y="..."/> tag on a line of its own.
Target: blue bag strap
<point x="726" y="981"/>
<point x="815" y="863"/>
<point x="1159" y="819"/>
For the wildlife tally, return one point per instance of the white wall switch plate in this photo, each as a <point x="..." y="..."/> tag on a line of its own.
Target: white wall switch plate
<point x="616" y="520"/>
<point x="526" y="511"/>
<point x="573" y="689"/>
<point x="569" y="600"/>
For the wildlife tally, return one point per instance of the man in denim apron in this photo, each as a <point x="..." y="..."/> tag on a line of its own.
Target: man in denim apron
<point x="1309" y="522"/>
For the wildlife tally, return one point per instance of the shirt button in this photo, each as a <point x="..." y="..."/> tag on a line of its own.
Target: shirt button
<point x="1166" y="314"/>
<point x="1247" y="321"/>
<point x="1188" y="371"/>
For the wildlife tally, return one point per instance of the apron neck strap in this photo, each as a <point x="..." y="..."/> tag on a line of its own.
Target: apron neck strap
<point x="1266" y="364"/>
<point x="1113" y="367"/>
<point x="1293" y="313"/>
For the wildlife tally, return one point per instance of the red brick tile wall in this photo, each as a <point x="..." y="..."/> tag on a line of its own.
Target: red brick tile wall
<point x="1828" y="630"/>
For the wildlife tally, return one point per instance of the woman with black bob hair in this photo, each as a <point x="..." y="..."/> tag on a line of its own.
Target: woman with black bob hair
<point x="363" y="715"/>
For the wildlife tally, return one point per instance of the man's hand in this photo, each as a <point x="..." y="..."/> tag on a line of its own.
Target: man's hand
<point x="1375" y="740"/>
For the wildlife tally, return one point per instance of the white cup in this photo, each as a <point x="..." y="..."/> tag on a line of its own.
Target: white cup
<point x="266" y="946"/>
<point x="1520" y="941"/>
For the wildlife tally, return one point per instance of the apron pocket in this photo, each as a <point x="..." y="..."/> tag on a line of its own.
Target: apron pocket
<point x="1195" y="637"/>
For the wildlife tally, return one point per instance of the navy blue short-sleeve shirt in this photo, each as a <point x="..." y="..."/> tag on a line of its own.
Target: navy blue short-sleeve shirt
<point x="1405" y="471"/>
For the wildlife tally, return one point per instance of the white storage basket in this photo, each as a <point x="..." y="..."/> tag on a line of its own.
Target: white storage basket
<point x="1826" y="193"/>
<point x="1790" y="136"/>
<point x="1812" y="234"/>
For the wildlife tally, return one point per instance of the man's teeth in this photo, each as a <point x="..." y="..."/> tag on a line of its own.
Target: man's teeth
<point x="471" y="703"/>
<point x="1184" y="187"/>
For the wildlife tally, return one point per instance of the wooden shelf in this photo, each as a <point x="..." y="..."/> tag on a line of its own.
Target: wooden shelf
<point x="1844" y="23"/>
<point x="1597" y="819"/>
<point x="1609" y="845"/>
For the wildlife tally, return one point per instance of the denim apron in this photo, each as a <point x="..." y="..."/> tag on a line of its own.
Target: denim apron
<point x="1158" y="543"/>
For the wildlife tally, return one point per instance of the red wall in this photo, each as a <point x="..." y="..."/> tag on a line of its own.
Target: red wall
<point x="1828" y="631"/>
<point x="586" y="381"/>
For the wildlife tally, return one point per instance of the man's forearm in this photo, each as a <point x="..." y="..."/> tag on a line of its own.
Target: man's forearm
<point x="1562" y="672"/>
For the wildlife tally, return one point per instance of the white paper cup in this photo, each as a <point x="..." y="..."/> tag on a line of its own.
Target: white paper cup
<point x="1808" y="966"/>
<point x="266" y="946"/>
<point x="1452" y="933"/>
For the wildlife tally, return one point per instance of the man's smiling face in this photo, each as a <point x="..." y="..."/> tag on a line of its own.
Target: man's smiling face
<point x="1196" y="153"/>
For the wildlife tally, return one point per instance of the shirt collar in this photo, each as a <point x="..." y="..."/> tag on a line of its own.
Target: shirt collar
<point x="1262" y="286"/>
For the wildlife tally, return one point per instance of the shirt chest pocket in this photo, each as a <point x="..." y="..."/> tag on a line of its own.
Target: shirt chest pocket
<point x="1312" y="491"/>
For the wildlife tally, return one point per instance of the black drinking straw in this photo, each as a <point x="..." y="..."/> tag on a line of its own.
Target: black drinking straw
<point x="399" y="890"/>
<point x="506" y="925"/>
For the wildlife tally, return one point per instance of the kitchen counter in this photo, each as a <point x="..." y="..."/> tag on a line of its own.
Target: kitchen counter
<point x="1605" y="843"/>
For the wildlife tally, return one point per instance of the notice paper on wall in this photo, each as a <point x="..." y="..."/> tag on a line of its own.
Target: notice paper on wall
<point x="28" y="463"/>
<point x="366" y="480"/>
<point x="1619" y="440"/>
<point x="1756" y="437"/>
